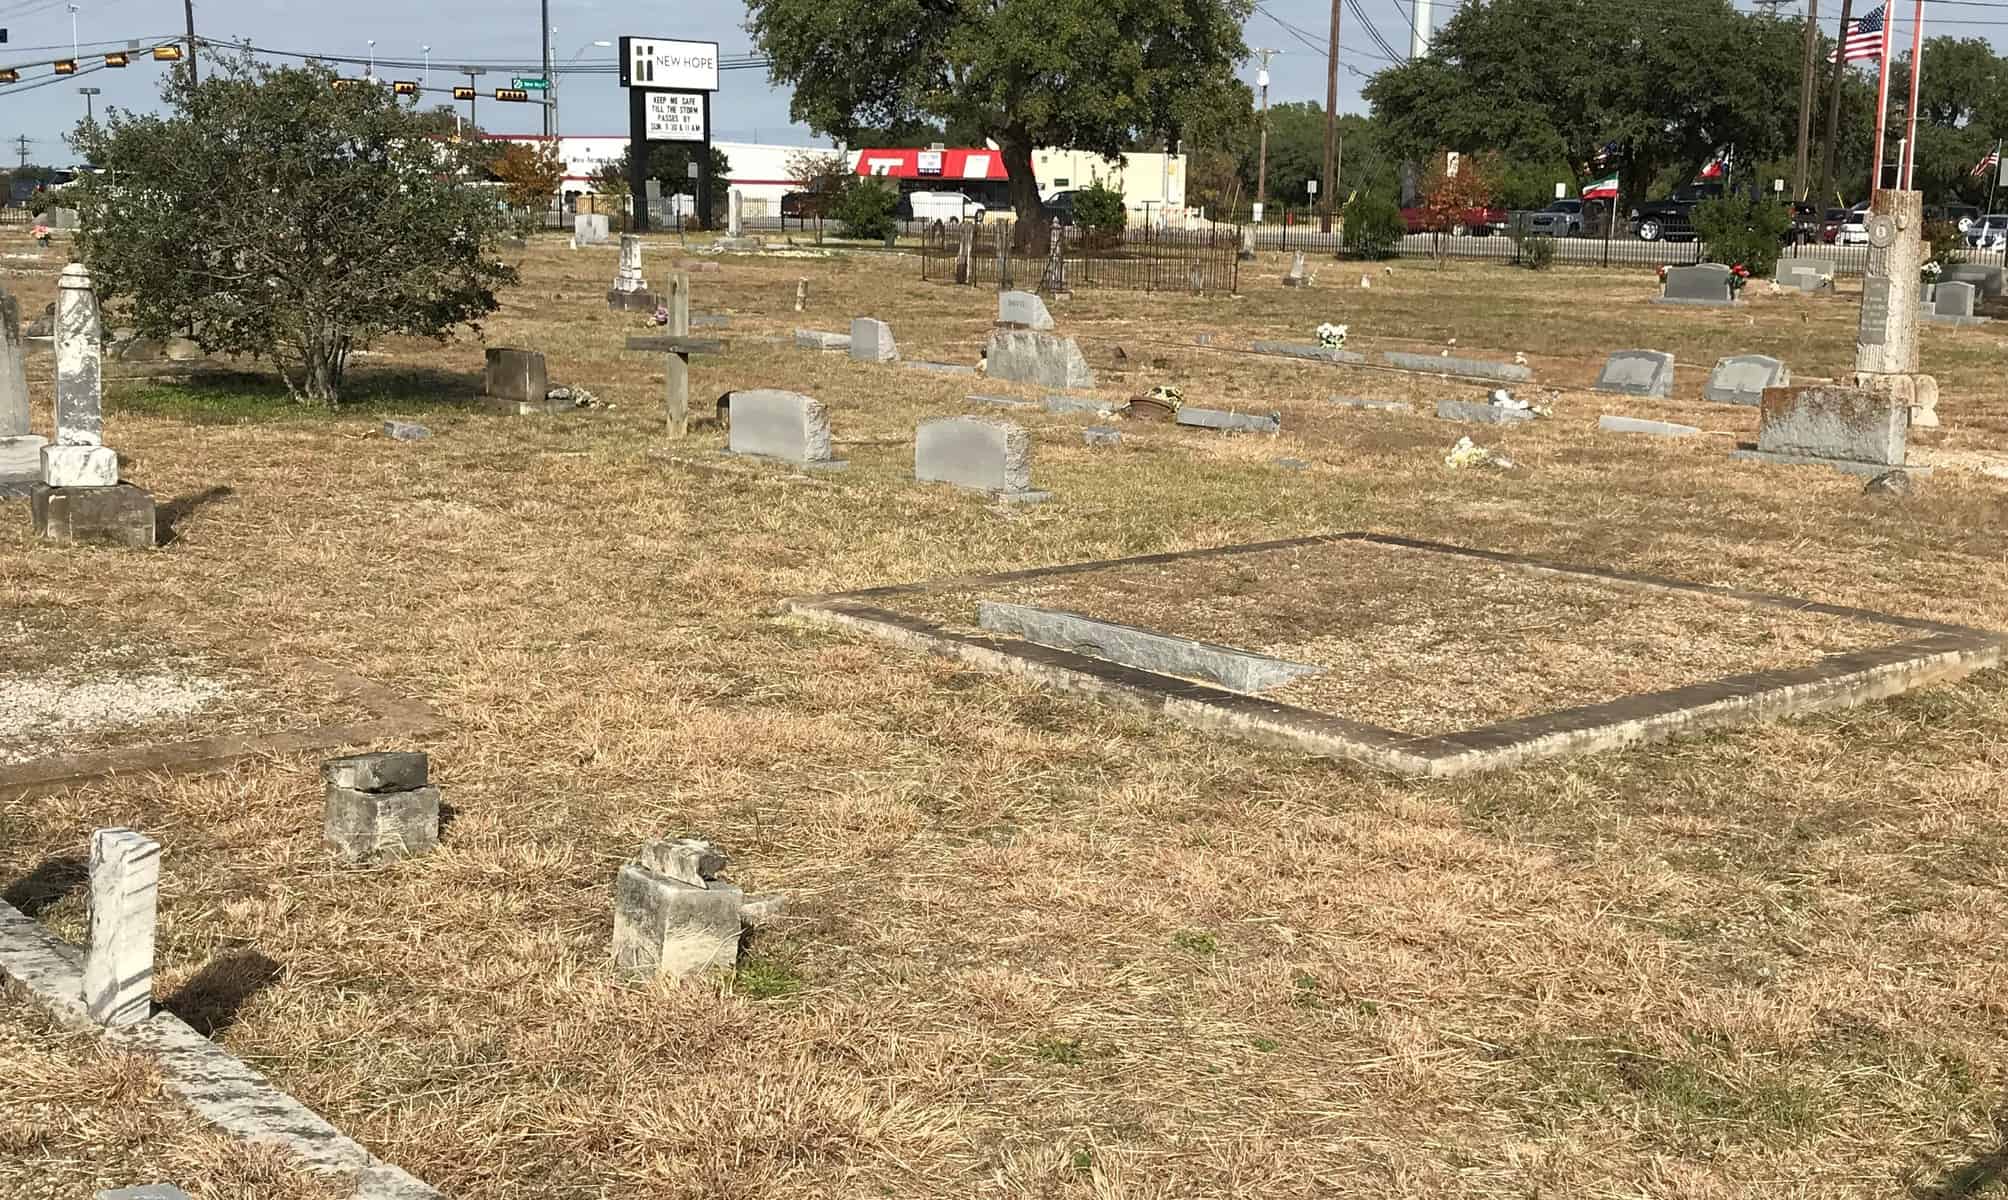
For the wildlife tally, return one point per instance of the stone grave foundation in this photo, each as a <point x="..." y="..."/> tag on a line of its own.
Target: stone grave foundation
<point x="672" y="916"/>
<point x="379" y="806"/>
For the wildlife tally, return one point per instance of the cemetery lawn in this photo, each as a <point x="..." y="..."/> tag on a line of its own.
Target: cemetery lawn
<point x="1037" y="945"/>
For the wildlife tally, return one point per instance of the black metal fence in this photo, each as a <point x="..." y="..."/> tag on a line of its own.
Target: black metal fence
<point x="1049" y="257"/>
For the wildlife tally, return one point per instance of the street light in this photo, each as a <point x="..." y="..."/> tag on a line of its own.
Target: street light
<point x="90" y="117"/>
<point x="551" y="84"/>
<point x="369" y="72"/>
<point x="73" y="31"/>
<point x="428" y="65"/>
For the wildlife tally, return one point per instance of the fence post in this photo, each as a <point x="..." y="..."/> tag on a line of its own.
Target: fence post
<point x="1004" y="257"/>
<point x="965" y="253"/>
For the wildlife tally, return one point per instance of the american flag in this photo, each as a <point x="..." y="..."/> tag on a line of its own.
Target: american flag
<point x="1987" y="164"/>
<point x="1865" y="39"/>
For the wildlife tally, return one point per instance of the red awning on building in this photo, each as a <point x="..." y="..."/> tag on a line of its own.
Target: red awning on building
<point x="949" y="166"/>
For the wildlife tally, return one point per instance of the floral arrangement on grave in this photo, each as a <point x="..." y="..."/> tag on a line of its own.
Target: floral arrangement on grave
<point x="660" y="316"/>
<point x="1738" y="276"/>
<point x="41" y="233"/>
<point x="1929" y="272"/>
<point x="1170" y="395"/>
<point x="1662" y="272"/>
<point x="1331" y="336"/>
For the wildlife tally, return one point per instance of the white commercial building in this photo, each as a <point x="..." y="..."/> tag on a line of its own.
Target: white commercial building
<point x="760" y="172"/>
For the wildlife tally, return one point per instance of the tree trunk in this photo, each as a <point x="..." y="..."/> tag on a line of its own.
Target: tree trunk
<point x="327" y="354"/>
<point x="1024" y="185"/>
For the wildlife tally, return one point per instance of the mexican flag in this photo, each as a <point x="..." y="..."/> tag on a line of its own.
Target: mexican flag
<point x="1602" y="189"/>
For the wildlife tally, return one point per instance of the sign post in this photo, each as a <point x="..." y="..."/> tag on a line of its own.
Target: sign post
<point x="669" y="87"/>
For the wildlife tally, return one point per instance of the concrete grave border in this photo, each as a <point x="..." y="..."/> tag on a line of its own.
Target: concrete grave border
<point x="1932" y="653"/>
<point x="221" y="1088"/>
<point x="394" y="717"/>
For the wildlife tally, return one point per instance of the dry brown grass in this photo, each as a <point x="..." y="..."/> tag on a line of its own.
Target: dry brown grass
<point x="1041" y="947"/>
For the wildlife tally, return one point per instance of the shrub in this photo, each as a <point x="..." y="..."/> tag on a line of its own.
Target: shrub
<point x="1736" y="229"/>
<point x="1373" y="225"/>
<point x="1099" y="210"/>
<point x="1539" y="251"/>
<point x="1947" y="244"/>
<point x="864" y="210"/>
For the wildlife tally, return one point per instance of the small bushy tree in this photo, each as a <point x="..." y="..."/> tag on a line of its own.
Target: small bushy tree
<point x="529" y="173"/>
<point x="1099" y="210"/>
<point x="1373" y="225"/>
<point x="1947" y="244"/>
<point x="267" y="213"/>
<point x="865" y="209"/>
<point x="1736" y="229"/>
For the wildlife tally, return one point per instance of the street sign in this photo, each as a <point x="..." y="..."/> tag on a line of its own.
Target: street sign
<point x="1312" y="186"/>
<point x="675" y="117"/>
<point x="648" y="62"/>
<point x="529" y="84"/>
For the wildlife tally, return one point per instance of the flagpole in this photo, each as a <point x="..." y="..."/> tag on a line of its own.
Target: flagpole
<point x="1882" y="106"/>
<point x="1916" y="69"/>
<point x="1993" y="177"/>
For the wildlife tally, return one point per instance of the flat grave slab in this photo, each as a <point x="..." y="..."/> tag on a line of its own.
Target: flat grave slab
<point x="1477" y="368"/>
<point x="1408" y="664"/>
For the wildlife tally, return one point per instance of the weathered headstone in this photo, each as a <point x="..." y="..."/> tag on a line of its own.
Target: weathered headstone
<point x="1043" y="359"/>
<point x="1988" y="278"/>
<point x="735" y="214"/>
<point x="1022" y="309"/>
<point x="788" y="426"/>
<point x="1805" y="274"/>
<point x="405" y="431"/>
<point x="816" y="339"/>
<point x="871" y="341"/>
<point x="1000" y="401"/>
<point x="1370" y="404"/>
<point x="1101" y="435"/>
<point x="1614" y="424"/>
<point x="1213" y="418"/>
<point x="515" y="381"/>
<point x="80" y="417"/>
<point x="1074" y="404"/>
<point x="20" y="450"/>
<point x="80" y="498"/>
<point x="672" y="916"/>
<point x="1859" y="430"/>
<point x="1701" y="284"/>
<point x="1637" y="373"/>
<point x="965" y="252"/>
<point x="1742" y="378"/>
<point x="1480" y="412"/>
<point x="980" y="453"/>
<point x="589" y="229"/>
<point x="1952" y="303"/>
<point x="1144" y="649"/>
<point x="651" y="191"/>
<point x="1247" y="251"/>
<point x="379" y="806"/>
<point x="62" y="218"/>
<point x="1451" y="365"/>
<point x="118" y="964"/>
<point x="1330" y="354"/>
<point x="630" y="291"/>
<point x="1886" y="338"/>
<point x="1296" y="276"/>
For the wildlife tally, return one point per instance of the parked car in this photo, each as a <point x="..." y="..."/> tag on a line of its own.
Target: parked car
<point x="1807" y="225"/>
<point x="1830" y="224"/>
<point x="1672" y="218"/>
<point x="952" y="208"/>
<point x="1477" y="222"/>
<point x="1962" y="215"/>
<point x="1853" y="230"/>
<point x="804" y="206"/>
<point x="1989" y="232"/>
<point x="1059" y="207"/>
<point x="1563" y="218"/>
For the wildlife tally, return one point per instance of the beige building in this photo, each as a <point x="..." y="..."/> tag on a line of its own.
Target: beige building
<point x="1151" y="183"/>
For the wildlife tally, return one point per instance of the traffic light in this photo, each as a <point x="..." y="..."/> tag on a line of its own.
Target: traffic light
<point x="404" y="87"/>
<point x="340" y="83"/>
<point x="463" y="93"/>
<point x="517" y="94"/>
<point x="116" y="59"/>
<point x="167" y="54"/>
<point x="66" y="66"/>
<point x="10" y="76"/>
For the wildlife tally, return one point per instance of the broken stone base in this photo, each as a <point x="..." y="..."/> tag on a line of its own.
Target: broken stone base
<point x="1851" y="466"/>
<point x="641" y="301"/>
<point x="80" y="466"/>
<point x="671" y="915"/>
<point x="378" y="806"/>
<point x="120" y="515"/>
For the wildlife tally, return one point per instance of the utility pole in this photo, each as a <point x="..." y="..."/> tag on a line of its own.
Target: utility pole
<point x="1331" y="120"/>
<point x="1806" y="94"/>
<point x="22" y="143"/>
<point x="1419" y="31"/>
<point x="1834" y="109"/>
<point x="544" y="40"/>
<point x="473" y="93"/>
<point x="188" y="10"/>
<point x="1262" y="157"/>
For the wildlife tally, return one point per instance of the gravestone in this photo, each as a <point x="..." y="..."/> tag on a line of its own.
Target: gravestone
<point x="20" y="450"/>
<point x="1101" y="435"/>
<point x="816" y="339"/>
<point x="1296" y="277"/>
<point x="1886" y="337"/>
<point x="1322" y="353"/>
<point x="379" y="806"/>
<point x="80" y="498"/>
<point x="630" y="291"/>
<point x="980" y="453"/>
<point x="735" y="214"/>
<point x="1705" y="284"/>
<point x="651" y="191"/>
<point x="1074" y="404"/>
<point x="1637" y="373"/>
<point x="1742" y="378"/>
<point x="515" y="381"/>
<point x="1370" y="404"/>
<point x="1805" y="274"/>
<point x="1989" y="279"/>
<point x="1612" y="424"/>
<point x="1952" y="303"/>
<point x="672" y="915"/>
<point x="1247" y="251"/>
<point x="999" y="401"/>
<point x="1022" y="309"/>
<point x="1043" y="359"/>
<point x="1212" y="418"/>
<point x="786" y="426"/>
<point x="61" y="218"/>
<point x="1450" y="365"/>
<point x="1480" y="412"/>
<point x="1859" y="430"/>
<point x="118" y="963"/>
<point x="589" y="229"/>
<point x="871" y="341"/>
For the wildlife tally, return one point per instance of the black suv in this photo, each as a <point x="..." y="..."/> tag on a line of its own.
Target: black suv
<point x="1671" y="218"/>
<point x="1059" y="207"/>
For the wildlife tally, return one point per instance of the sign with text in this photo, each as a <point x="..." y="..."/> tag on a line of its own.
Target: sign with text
<point x="530" y="84"/>
<point x="648" y="62"/>
<point x="928" y="162"/>
<point x="675" y="117"/>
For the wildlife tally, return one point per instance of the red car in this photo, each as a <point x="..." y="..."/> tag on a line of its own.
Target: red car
<point x="1478" y="222"/>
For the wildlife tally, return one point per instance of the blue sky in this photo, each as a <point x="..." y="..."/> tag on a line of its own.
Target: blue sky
<point x="472" y="31"/>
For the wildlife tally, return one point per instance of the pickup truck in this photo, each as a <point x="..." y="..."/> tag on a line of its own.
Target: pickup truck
<point x="1670" y="218"/>
<point x="1478" y="222"/>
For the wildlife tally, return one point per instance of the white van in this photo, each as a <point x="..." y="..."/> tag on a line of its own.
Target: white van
<point x="950" y="208"/>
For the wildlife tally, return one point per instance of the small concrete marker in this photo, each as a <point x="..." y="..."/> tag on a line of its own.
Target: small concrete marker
<point x="1742" y="378"/>
<point x="1444" y="364"/>
<point x="1370" y="404"/>
<point x="939" y="368"/>
<point x="1232" y="422"/>
<point x="816" y="339"/>
<point x="673" y="918"/>
<point x="1611" y="424"/>
<point x="1330" y="354"/>
<point x="118" y="965"/>
<point x="379" y="806"/>
<point x="1480" y="412"/>
<point x="405" y="431"/>
<point x="1075" y="404"/>
<point x="871" y="341"/>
